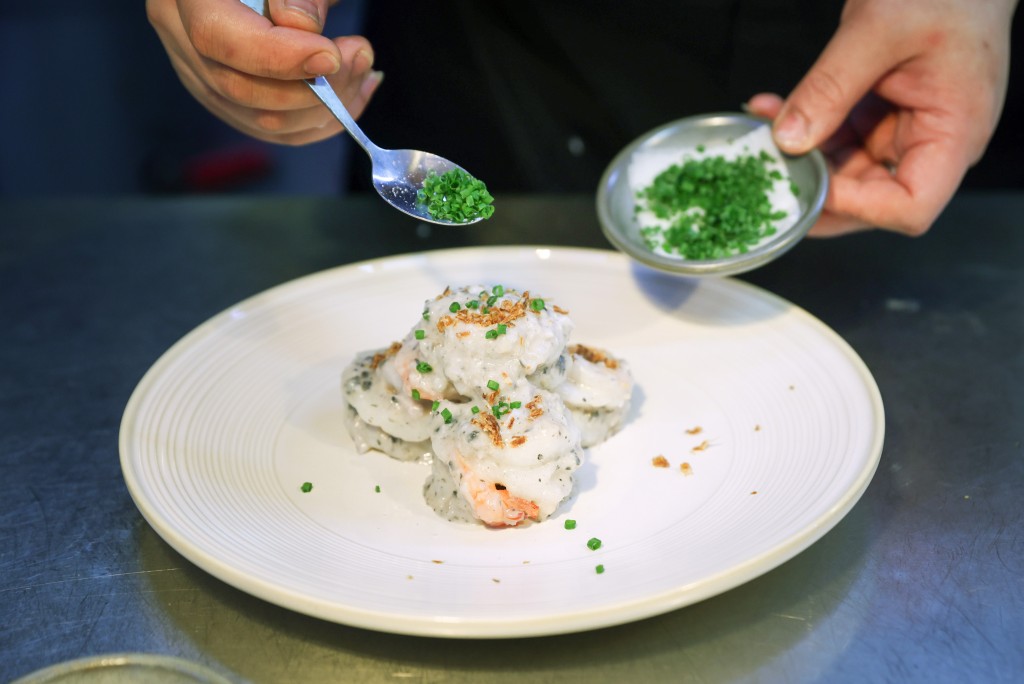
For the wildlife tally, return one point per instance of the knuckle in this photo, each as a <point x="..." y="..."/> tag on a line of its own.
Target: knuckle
<point x="270" y="122"/>
<point x="825" y="87"/>
<point x="203" y="32"/>
<point x="154" y="14"/>
<point x="236" y="87"/>
<point x="915" y="222"/>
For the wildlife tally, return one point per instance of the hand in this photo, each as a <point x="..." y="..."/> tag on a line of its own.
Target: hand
<point x="902" y="101"/>
<point x="248" y="71"/>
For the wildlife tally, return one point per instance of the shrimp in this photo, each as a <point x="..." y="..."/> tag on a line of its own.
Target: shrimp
<point x="597" y="391"/>
<point x="504" y="466"/>
<point x="491" y="502"/>
<point x="405" y="369"/>
<point x="379" y="404"/>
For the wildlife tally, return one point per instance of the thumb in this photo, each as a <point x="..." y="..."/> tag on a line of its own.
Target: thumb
<point x="307" y="15"/>
<point x="852" y="62"/>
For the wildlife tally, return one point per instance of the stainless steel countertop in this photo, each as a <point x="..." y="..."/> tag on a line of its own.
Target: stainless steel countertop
<point x="922" y="581"/>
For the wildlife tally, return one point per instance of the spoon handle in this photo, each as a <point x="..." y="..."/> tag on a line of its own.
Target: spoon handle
<point x="325" y="92"/>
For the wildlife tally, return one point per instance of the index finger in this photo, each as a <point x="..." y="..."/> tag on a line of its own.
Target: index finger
<point x="228" y="32"/>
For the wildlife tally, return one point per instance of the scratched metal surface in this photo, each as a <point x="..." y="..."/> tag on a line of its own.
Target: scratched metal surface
<point x="921" y="582"/>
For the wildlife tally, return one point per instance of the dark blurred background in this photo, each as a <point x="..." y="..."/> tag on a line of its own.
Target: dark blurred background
<point x="529" y="96"/>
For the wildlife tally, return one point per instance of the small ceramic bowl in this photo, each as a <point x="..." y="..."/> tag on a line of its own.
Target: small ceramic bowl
<point x="616" y="200"/>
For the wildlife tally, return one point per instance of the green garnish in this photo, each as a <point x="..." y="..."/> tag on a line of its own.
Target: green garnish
<point x="714" y="207"/>
<point x="491" y="334"/>
<point x="570" y="524"/>
<point x="423" y="367"/>
<point x="472" y="304"/>
<point x="435" y="405"/>
<point x="307" y="487"/>
<point x="447" y="415"/>
<point x="377" y="489"/>
<point x="455" y="196"/>
<point x="515" y="404"/>
<point x="475" y="410"/>
<point x="599" y="569"/>
<point x="426" y="314"/>
<point x="502" y="328"/>
<point x="420" y="334"/>
<point x="492" y="385"/>
<point x="497" y="290"/>
<point x="537" y="304"/>
<point x="454" y="307"/>
<point x="593" y="543"/>
<point x="416" y="394"/>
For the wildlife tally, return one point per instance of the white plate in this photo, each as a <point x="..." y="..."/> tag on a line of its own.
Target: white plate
<point x="220" y="434"/>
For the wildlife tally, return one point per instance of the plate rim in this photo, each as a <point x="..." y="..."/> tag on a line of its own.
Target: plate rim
<point x="579" y="620"/>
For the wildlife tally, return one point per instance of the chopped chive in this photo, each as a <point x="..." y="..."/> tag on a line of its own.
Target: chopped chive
<point x="570" y="524"/>
<point x="711" y="207"/>
<point x="307" y="487"/>
<point x="502" y="328"/>
<point x="475" y="410"/>
<point x="472" y="304"/>
<point x="433" y="407"/>
<point x="420" y="334"/>
<point x="515" y="404"/>
<point x="377" y="489"/>
<point x="498" y="290"/>
<point x="416" y="394"/>
<point x="455" y="196"/>
<point x="491" y="300"/>
<point x="599" y="569"/>
<point x="447" y="415"/>
<point x="492" y="385"/>
<point x="426" y="315"/>
<point x="424" y="367"/>
<point x="593" y="543"/>
<point x="537" y="304"/>
<point x="454" y="306"/>
<point x="491" y="334"/>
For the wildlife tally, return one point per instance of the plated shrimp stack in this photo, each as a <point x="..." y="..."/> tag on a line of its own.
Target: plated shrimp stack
<point x="487" y="389"/>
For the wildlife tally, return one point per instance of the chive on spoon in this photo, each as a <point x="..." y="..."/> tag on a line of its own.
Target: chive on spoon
<point x="397" y="174"/>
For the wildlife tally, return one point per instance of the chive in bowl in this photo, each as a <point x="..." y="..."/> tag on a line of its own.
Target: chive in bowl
<point x="697" y="136"/>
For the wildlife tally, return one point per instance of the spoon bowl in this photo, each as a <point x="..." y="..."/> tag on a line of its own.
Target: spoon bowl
<point x="397" y="174"/>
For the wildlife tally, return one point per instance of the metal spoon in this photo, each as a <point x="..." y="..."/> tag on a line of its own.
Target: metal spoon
<point x="397" y="174"/>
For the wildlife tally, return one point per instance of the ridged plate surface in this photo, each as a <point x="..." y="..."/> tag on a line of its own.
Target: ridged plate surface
<point x="220" y="434"/>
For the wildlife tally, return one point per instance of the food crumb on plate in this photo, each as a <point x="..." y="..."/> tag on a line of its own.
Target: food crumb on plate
<point x="659" y="462"/>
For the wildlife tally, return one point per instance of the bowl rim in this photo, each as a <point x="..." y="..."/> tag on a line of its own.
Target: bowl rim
<point x="737" y="263"/>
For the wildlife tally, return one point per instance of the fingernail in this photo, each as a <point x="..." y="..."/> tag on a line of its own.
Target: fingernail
<point x="307" y="7"/>
<point x="791" y="132"/>
<point x="322" y="64"/>
<point x="370" y="83"/>
<point x="363" y="62"/>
